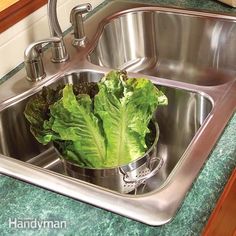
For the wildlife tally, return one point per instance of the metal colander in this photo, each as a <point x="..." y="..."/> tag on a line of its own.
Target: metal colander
<point x="123" y="179"/>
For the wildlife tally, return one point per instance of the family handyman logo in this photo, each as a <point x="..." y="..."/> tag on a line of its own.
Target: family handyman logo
<point x="36" y="224"/>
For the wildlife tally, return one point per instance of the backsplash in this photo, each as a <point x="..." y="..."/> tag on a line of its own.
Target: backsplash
<point x="34" y="27"/>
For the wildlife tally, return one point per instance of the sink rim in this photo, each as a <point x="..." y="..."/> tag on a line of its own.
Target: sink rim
<point x="155" y="208"/>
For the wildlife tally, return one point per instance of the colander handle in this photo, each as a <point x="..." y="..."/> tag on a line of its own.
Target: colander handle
<point x="127" y="178"/>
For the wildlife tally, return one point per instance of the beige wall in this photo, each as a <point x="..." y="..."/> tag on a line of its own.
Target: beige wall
<point x="34" y="27"/>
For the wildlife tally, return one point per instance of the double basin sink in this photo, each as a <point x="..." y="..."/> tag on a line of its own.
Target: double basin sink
<point x="188" y="55"/>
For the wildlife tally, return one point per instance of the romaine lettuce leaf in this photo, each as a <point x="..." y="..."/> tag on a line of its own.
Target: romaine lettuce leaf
<point x="126" y="107"/>
<point x="73" y="120"/>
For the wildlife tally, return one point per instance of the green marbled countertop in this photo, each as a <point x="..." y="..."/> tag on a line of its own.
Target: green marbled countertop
<point x="208" y="5"/>
<point x="24" y="201"/>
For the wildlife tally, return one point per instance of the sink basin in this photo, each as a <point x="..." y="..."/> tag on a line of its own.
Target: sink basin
<point x="171" y="45"/>
<point x="178" y="124"/>
<point x="195" y="70"/>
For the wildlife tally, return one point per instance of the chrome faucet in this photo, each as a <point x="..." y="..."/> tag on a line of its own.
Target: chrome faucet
<point x="33" y="58"/>
<point x="59" y="52"/>
<point x="76" y="20"/>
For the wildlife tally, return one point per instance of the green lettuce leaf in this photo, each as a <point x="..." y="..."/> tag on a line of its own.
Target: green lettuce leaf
<point x="73" y="120"/>
<point x="126" y="107"/>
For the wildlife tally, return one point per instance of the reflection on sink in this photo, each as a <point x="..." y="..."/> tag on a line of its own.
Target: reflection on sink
<point x="168" y="45"/>
<point x="178" y="124"/>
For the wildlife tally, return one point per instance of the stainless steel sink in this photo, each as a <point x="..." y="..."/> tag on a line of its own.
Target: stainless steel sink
<point x="178" y="123"/>
<point x="196" y="71"/>
<point x="171" y="45"/>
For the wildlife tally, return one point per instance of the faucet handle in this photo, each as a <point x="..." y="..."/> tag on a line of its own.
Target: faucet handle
<point x="33" y="59"/>
<point x="59" y="52"/>
<point x="76" y="20"/>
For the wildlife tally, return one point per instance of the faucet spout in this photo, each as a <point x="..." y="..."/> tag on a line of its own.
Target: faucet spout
<point x="76" y="20"/>
<point x="59" y="52"/>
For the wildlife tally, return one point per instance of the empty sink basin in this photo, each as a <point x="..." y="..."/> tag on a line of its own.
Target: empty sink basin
<point x="173" y="45"/>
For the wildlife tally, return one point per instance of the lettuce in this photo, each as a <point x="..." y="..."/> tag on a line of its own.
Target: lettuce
<point x="97" y="127"/>
<point x="37" y="111"/>
<point x="126" y="107"/>
<point x="73" y="120"/>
